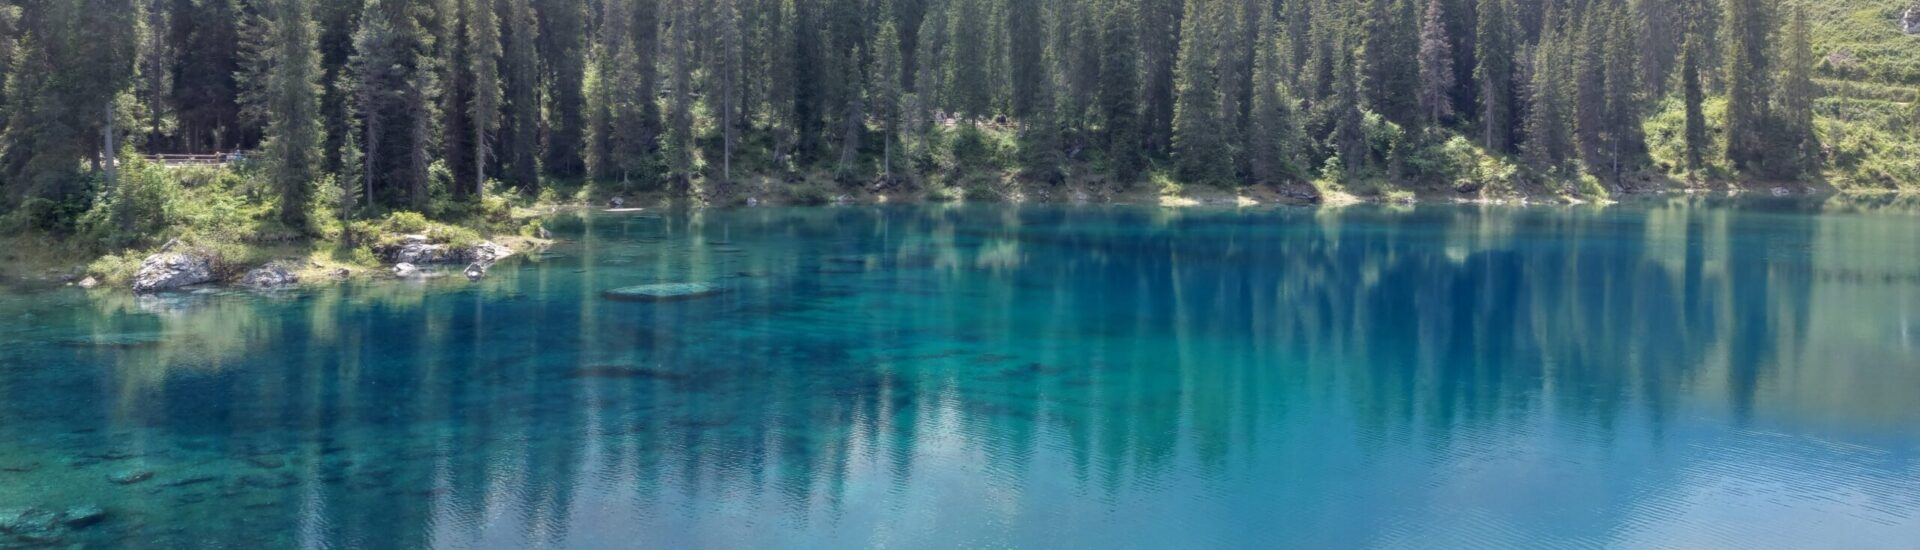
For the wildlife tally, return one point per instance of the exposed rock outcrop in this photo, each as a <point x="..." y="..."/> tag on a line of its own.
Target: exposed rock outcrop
<point x="273" y="275"/>
<point x="1911" y="23"/>
<point x="418" y="250"/>
<point x="171" y="271"/>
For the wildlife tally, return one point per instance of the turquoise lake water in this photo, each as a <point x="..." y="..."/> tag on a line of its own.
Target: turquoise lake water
<point x="1655" y="375"/>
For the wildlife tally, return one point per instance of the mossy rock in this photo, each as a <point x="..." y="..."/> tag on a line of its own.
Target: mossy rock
<point x="664" y="292"/>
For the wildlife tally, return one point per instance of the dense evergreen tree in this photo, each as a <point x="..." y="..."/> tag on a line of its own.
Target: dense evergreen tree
<point x="74" y="58"/>
<point x="484" y="112"/>
<point x="1798" y="149"/>
<point x="1436" y="65"/>
<point x="1160" y="38"/>
<point x="1274" y="145"/>
<point x="1349" y="138"/>
<point x="679" y="144"/>
<point x="1624" y="135"/>
<point x="885" y="91"/>
<point x="1213" y="91"/>
<point x="289" y="102"/>
<point x="1026" y="57"/>
<point x="393" y="82"/>
<point x="563" y="38"/>
<point x="206" y="96"/>
<point x="1695" y="97"/>
<point x="1494" y="75"/>
<point x="1749" y="75"/>
<point x="1550" y="142"/>
<point x="1119" y="92"/>
<point x="1199" y="127"/>
<point x="520" y="82"/>
<point x="1393" y="61"/>
<point x="971" y="96"/>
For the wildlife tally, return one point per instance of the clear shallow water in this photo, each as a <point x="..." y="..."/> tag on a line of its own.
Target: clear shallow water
<point x="1038" y="377"/>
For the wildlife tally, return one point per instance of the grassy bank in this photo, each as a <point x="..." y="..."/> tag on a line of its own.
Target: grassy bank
<point x="227" y="214"/>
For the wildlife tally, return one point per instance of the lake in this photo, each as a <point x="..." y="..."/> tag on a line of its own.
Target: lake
<point x="1668" y="374"/>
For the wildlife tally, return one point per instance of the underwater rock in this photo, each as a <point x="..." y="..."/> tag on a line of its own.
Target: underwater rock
<point x="26" y="520"/>
<point x="476" y="271"/>
<point x="269" y="481"/>
<point x="266" y="461"/>
<point x="130" y="477"/>
<point x="169" y="271"/>
<point x="663" y="292"/>
<point x="82" y="516"/>
<point x="115" y="341"/>
<point x="623" y="371"/>
<point x="192" y="480"/>
<point x="404" y="269"/>
<point x="19" y="467"/>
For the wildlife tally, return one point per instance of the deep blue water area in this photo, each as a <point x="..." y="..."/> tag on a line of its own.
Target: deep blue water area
<point x="1668" y="374"/>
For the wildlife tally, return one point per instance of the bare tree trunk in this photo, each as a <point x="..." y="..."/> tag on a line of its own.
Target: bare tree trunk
<point x="108" y="152"/>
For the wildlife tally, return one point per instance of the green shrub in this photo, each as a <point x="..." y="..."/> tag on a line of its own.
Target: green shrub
<point x="406" y="222"/>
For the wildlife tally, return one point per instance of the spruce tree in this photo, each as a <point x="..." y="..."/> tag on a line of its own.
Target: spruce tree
<point x="1798" y="152"/>
<point x="1392" y="61"/>
<point x="520" y="81"/>
<point x="563" y="33"/>
<point x="483" y="30"/>
<point x="1436" y="65"/>
<point x="1624" y="133"/>
<point x="884" y="91"/>
<point x="205" y="93"/>
<point x="1494" y="75"/>
<point x="292" y="106"/>
<point x="393" y="80"/>
<point x="1274" y="142"/>
<point x="1549" y="141"/>
<point x="970" y="84"/>
<point x="1695" y="97"/>
<point x="1160" y="43"/>
<point x="1199" y="129"/>
<point x="1590" y="103"/>
<point x="726" y="70"/>
<point x="456" y="98"/>
<point x="1349" y="138"/>
<point x="1026" y="57"/>
<point x="680" y="144"/>
<point x="1749" y="75"/>
<point x="1119" y="92"/>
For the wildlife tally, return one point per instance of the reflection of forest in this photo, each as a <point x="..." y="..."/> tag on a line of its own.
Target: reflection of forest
<point x="1128" y="342"/>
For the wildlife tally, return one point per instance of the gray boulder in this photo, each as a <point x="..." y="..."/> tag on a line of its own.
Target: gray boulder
<point x="488" y="252"/>
<point x="89" y="282"/>
<point x="1911" y="23"/>
<point x="273" y="275"/>
<point x="404" y="269"/>
<point x="172" y="270"/>
<point x="415" y="249"/>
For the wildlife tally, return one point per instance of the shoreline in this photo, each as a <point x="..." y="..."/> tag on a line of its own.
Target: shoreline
<point x="319" y="266"/>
